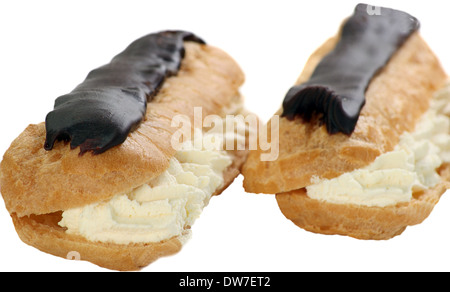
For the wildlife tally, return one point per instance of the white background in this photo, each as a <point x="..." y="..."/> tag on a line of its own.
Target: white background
<point x="48" y="47"/>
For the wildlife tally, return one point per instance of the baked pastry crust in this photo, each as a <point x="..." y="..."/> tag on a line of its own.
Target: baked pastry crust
<point x="44" y="233"/>
<point x="37" y="185"/>
<point x="361" y="222"/>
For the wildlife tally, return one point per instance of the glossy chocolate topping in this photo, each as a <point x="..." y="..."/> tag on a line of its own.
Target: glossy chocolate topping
<point x="336" y="89"/>
<point x="112" y="101"/>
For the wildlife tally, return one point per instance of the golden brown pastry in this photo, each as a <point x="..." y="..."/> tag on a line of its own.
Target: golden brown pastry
<point x="123" y="198"/>
<point x="388" y="171"/>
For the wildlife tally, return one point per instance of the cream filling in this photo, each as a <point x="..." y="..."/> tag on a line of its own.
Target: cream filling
<point x="394" y="176"/>
<point x="164" y="207"/>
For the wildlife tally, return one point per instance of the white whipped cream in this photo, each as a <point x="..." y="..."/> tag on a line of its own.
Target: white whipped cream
<point x="394" y="176"/>
<point x="164" y="207"/>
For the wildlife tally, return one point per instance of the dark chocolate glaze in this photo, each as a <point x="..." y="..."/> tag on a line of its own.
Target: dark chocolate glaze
<point x="336" y="89"/>
<point x="112" y="101"/>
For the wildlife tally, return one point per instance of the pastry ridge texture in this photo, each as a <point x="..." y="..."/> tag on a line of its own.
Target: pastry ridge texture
<point x="37" y="185"/>
<point x="395" y="100"/>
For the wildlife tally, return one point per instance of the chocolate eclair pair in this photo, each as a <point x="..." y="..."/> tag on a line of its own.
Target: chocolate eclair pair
<point x="363" y="134"/>
<point x="361" y="151"/>
<point x="108" y="178"/>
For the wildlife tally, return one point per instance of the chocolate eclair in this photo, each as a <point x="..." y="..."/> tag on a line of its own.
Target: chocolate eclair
<point x="108" y="178"/>
<point x="364" y="132"/>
